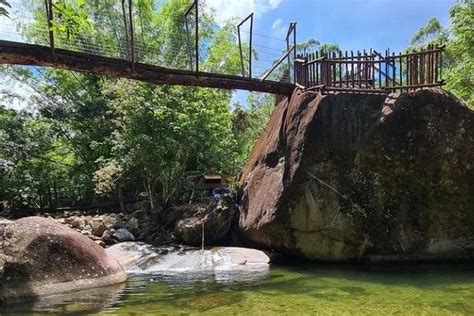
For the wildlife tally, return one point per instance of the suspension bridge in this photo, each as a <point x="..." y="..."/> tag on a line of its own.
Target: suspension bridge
<point x="26" y="39"/>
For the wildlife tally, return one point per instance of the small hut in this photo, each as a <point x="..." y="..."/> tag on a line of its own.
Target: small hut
<point x="210" y="180"/>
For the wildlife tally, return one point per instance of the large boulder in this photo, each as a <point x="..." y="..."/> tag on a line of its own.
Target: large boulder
<point x="363" y="177"/>
<point x="216" y="220"/>
<point x="144" y="258"/>
<point x="43" y="257"/>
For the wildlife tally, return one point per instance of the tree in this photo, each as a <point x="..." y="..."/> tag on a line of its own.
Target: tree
<point x="431" y="33"/>
<point x="458" y="61"/>
<point x="310" y="45"/>
<point x="460" y="49"/>
<point x="3" y="5"/>
<point x="109" y="139"/>
<point x="70" y="19"/>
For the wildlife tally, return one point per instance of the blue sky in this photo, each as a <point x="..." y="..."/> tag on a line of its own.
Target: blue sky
<point x="353" y="24"/>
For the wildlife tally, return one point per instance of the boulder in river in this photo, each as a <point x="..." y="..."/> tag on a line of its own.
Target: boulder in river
<point x="344" y="177"/>
<point x="123" y="235"/>
<point x="43" y="257"/>
<point x="216" y="218"/>
<point x="138" y="257"/>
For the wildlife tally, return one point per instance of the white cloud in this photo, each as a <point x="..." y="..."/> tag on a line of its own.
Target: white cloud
<point x="276" y="24"/>
<point x="226" y="9"/>
<point x="279" y="28"/>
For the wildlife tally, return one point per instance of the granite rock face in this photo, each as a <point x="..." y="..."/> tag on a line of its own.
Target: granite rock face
<point x="216" y="221"/>
<point x="42" y="257"/>
<point x="351" y="177"/>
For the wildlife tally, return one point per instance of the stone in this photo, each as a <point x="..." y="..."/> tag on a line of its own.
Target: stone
<point x="88" y="219"/>
<point x="141" y="257"/>
<point x="217" y="219"/>
<point x="347" y="177"/>
<point x="100" y="243"/>
<point x="61" y="221"/>
<point x="43" y="257"/>
<point x="113" y="221"/>
<point x="107" y="237"/>
<point x="123" y="234"/>
<point x="88" y="229"/>
<point x="76" y="222"/>
<point x="99" y="230"/>
<point x="133" y="225"/>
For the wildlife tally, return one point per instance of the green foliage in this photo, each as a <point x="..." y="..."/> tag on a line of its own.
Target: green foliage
<point x="312" y="45"/>
<point x="432" y="32"/>
<point x="248" y="124"/>
<point x="460" y="48"/>
<point x="71" y="19"/>
<point x="330" y="48"/>
<point x="309" y="46"/>
<point x="33" y="166"/>
<point x="3" y="5"/>
<point x="458" y="63"/>
<point x="101" y="138"/>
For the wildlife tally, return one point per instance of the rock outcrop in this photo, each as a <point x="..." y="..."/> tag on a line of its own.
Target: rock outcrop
<point x="138" y="257"/>
<point x="42" y="257"/>
<point x="360" y="177"/>
<point x="217" y="219"/>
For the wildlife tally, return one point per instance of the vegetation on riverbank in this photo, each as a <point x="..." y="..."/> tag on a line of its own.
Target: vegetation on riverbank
<point x="87" y="139"/>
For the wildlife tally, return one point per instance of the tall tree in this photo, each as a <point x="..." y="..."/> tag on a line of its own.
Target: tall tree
<point x="3" y="8"/>
<point x="458" y="63"/>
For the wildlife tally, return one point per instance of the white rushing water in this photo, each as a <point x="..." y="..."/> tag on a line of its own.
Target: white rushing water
<point x="140" y="258"/>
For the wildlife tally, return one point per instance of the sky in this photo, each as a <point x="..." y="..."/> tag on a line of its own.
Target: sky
<point x="353" y="24"/>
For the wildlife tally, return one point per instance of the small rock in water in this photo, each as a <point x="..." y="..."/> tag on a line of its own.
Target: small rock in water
<point x="123" y="234"/>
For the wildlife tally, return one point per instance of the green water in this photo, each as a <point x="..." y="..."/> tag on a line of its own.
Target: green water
<point x="301" y="289"/>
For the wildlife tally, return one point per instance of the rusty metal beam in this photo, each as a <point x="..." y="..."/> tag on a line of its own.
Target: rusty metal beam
<point x="38" y="55"/>
<point x="250" y="45"/>
<point x="282" y="58"/>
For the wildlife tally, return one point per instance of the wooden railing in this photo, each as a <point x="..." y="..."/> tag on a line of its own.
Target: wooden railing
<point x="370" y="72"/>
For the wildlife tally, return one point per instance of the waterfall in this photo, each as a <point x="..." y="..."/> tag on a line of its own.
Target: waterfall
<point x="202" y="235"/>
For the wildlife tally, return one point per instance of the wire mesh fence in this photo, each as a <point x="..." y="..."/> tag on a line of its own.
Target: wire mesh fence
<point x="117" y="29"/>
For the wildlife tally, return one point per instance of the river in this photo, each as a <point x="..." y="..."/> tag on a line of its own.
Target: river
<point x="296" y="289"/>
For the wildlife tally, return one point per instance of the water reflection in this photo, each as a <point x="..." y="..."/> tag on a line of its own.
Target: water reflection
<point x="250" y="275"/>
<point x="291" y="289"/>
<point x="87" y="301"/>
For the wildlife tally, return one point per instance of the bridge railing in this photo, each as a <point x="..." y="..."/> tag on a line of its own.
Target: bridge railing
<point x="370" y="72"/>
<point x="117" y="31"/>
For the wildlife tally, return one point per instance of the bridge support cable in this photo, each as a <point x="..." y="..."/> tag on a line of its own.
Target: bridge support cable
<point x="250" y="17"/>
<point x="291" y="31"/>
<point x="275" y="65"/>
<point x="132" y="42"/>
<point x="49" y="18"/>
<point x="195" y="6"/>
<point x="38" y="55"/>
